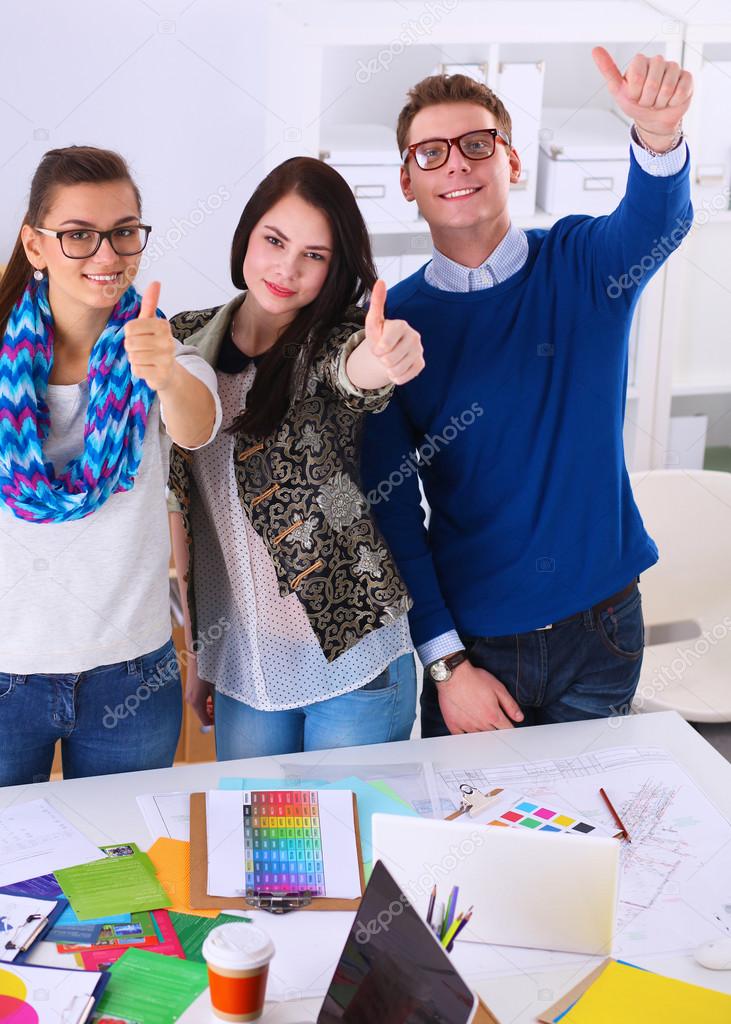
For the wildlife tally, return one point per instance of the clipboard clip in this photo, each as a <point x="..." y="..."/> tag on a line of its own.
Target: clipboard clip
<point x="28" y="942"/>
<point x="473" y="801"/>
<point x="278" y="902"/>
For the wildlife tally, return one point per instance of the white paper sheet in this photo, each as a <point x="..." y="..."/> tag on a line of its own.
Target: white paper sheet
<point x="48" y="995"/>
<point x="166" y="815"/>
<point x="674" y="879"/>
<point x="16" y="929"/>
<point x="35" y="838"/>
<point x="308" y="947"/>
<point x="225" y="834"/>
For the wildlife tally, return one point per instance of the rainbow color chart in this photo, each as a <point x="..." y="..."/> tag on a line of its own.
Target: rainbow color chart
<point x="283" y="842"/>
<point x="527" y="814"/>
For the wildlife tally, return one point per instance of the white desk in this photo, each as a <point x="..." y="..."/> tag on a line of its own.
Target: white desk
<point x="105" y="809"/>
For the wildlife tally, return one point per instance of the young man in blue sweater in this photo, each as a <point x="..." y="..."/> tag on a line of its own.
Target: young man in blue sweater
<point x="525" y="583"/>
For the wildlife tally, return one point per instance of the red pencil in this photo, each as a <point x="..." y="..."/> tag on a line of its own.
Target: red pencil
<point x="617" y="819"/>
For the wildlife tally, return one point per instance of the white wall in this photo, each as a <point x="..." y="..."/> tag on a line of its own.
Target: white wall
<point x="176" y="86"/>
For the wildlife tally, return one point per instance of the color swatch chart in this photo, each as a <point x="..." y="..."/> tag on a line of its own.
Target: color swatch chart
<point x="283" y="842"/>
<point x="527" y="814"/>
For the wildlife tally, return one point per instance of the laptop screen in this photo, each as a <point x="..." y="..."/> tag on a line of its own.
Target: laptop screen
<point x="392" y="969"/>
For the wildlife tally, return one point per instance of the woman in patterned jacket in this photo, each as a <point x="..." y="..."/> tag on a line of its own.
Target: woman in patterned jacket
<point x="295" y="612"/>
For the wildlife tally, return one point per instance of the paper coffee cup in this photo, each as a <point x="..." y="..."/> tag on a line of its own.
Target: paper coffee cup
<point x="238" y="958"/>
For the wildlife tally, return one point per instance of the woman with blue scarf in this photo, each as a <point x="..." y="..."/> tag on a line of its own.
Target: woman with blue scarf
<point x="93" y="389"/>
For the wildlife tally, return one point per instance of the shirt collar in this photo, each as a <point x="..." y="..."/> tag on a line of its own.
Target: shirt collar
<point x="508" y="257"/>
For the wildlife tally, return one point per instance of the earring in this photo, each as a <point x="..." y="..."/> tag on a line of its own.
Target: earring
<point x="38" y="275"/>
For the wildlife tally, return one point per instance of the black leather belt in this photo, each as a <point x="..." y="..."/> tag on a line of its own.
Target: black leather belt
<point x="596" y="609"/>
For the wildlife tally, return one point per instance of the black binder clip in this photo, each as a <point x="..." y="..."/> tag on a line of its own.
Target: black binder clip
<point x="278" y="902"/>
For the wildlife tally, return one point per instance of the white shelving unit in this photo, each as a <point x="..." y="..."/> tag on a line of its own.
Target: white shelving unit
<point x="351" y="61"/>
<point x="695" y="374"/>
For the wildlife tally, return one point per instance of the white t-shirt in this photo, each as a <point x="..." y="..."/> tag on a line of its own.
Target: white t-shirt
<point x="96" y="591"/>
<point x="255" y="645"/>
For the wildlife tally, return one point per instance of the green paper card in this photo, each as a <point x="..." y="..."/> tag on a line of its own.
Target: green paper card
<point x="124" y="882"/>
<point x="150" y="988"/>
<point x="192" y="931"/>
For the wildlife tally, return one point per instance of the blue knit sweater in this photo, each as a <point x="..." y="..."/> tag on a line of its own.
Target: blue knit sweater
<point x="519" y="416"/>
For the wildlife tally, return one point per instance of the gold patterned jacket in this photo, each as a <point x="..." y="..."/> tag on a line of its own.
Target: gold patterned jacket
<point x="300" y="489"/>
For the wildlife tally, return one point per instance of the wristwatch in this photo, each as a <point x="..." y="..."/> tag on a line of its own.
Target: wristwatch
<point x="441" y="670"/>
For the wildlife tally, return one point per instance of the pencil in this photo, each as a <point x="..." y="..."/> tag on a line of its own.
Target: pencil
<point x="432" y="900"/>
<point x="618" y="821"/>
<point x="462" y="924"/>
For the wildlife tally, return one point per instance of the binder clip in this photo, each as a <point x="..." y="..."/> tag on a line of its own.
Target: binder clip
<point x="278" y="902"/>
<point x="474" y="802"/>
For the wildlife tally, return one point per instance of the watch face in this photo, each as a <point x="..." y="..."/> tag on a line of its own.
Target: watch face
<point x="439" y="671"/>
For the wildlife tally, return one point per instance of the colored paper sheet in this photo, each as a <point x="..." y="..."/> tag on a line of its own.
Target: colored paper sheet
<point x="140" y="930"/>
<point x="371" y="799"/>
<point x="622" y="993"/>
<point x="150" y="988"/>
<point x="253" y="783"/>
<point x="165" y="942"/>
<point x="43" y="887"/>
<point x="171" y="860"/>
<point x="192" y="931"/>
<point x="390" y="791"/>
<point x="124" y="881"/>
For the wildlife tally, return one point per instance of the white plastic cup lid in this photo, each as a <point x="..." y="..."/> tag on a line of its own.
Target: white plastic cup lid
<point x="238" y="946"/>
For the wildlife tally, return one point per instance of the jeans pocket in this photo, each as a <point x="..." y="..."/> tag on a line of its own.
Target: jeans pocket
<point x="161" y="667"/>
<point x="622" y="629"/>
<point x="7" y="685"/>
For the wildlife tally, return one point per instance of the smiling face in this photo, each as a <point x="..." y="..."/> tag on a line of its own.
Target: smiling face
<point x="96" y="282"/>
<point x="462" y="194"/>
<point x="288" y="257"/>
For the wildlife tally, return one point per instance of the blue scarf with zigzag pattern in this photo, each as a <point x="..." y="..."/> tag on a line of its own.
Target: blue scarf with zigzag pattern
<point x="115" y="420"/>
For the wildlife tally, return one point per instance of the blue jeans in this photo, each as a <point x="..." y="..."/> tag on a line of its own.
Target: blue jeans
<point x="382" y="710"/>
<point x="115" y="718"/>
<point x="588" y="667"/>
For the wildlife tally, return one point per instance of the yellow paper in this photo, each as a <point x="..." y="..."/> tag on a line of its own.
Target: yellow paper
<point x="171" y="858"/>
<point x="631" y="996"/>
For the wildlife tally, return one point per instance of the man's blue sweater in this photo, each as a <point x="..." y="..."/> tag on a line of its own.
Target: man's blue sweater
<point x="519" y="416"/>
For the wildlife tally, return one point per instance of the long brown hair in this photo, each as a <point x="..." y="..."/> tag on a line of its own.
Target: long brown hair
<point x="350" y="275"/>
<point x="74" y="165"/>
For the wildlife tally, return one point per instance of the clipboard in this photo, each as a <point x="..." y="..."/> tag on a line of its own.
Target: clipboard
<point x="199" y="898"/>
<point x="473" y="801"/>
<point x="34" y="931"/>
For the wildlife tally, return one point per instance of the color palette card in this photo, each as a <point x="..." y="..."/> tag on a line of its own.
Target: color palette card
<point x="513" y="810"/>
<point x="282" y="841"/>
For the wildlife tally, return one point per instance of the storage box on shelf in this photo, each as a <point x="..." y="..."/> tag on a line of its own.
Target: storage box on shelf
<point x="584" y="161"/>
<point x="367" y="156"/>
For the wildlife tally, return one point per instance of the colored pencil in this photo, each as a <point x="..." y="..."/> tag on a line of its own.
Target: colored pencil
<point x="618" y="821"/>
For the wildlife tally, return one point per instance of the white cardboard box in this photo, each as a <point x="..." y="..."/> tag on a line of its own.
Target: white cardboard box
<point x="584" y="161"/>
<point x="367" y="157"/>
<point x="520" y="87"/>
<point x="711" y="153"/>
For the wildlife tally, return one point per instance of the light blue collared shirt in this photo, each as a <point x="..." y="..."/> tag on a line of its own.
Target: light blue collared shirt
<point x="506" y="259"/>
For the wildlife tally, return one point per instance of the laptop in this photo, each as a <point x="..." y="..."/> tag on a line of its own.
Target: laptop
<point x="543" y="890"/>
<point x="393" y="970"/>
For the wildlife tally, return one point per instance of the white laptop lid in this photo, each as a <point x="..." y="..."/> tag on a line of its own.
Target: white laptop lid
<point x="542" y="890"/>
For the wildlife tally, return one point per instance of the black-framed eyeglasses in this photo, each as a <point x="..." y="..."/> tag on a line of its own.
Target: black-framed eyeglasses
<point x="433" y="153"/>
<point x="81" y="243"/>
